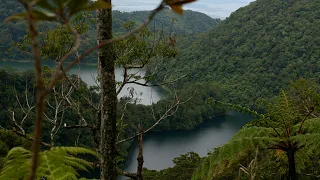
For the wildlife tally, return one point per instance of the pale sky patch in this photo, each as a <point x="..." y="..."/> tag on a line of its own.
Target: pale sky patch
<point x="213" y="8"/>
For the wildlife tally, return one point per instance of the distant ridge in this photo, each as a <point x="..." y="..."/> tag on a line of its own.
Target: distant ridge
<point x="192" y="22"/>
<point x="256" y="51"/>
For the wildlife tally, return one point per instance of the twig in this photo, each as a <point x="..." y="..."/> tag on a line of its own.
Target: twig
<point x="150" y="85"/>
<point x="28" y="137"/>
<point x="113" y="40"/>
<point x="40" y="104"/>
<point x="169" y="112"/>
<point x="124" y="81"/>
<point x="127" y="174"/>
<point x="16" y="124"/>
<point x="57" y="72"/>
<point x="76" y="88"/>
<point x="305" y="118"/>
<point x="80" y="126"/>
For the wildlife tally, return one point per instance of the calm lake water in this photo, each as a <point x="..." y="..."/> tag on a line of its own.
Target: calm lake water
<point x="88" y="73"/>
<point x="160" y="148"/>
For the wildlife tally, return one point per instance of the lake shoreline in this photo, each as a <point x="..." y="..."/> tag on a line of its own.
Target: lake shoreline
<point x="163" y="146"/>
<point x="31" y="61"/>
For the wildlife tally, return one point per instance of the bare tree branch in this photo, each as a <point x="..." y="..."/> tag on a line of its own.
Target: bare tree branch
<point x="26" y="113"/>
<point x="127" y="174"/>
<point x="16" y="124"/>
<point x="28" y="137"/>
<point x="77" y="89"/>
<point x="150" y="85"/>
<point x="169" y="112"/>
<point x="80" y="126"/>
<point x="124" y="81"/>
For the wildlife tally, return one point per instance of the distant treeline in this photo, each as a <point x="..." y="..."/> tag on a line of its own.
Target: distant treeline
<point x="165" y="22"/>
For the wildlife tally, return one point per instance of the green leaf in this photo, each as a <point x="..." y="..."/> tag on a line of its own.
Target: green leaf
<point x="46" y="5"/>
<point x="59" y="3"/>
<point x="56" y="163"/>
<point x="38" y="15"/>
<point x="84" y="5"/>
<point x="99" y="4"/>
<point x="76" y="6"/>
<point x="19" y="16"/>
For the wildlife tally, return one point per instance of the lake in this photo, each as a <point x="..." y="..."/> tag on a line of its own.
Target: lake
<point x="88" y="72"/>
<point x="160" y="148"/>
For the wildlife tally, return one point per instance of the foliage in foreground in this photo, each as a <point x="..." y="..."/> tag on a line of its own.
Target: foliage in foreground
<point x="287" y="137"/>
<point x="8" y="140"/>
<point x="184" y="166"/>
<point x="54" y="164"/>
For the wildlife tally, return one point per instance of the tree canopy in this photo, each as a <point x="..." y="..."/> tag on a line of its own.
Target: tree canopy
<point x="255" y="52"/>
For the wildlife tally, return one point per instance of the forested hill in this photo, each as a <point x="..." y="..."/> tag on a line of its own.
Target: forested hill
<point x="256" y="51"/>
<point x="191" y="22"/>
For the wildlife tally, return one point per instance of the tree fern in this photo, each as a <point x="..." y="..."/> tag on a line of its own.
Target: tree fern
<point x="58" y="163"/>
<point x="291" y="135"/>
<point x="244" y="141"/>
<point x="251" y="169"/>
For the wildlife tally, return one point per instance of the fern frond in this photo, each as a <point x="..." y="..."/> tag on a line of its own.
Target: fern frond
<point x="252" y="132"/>
<point x="302" y="159"/>
<point x="309" y="142"/>
<point x="234" y="107"/>
<point x="310" y="126"/>
<point x="286" y="107"/>
<point x="78" y="163"/>
<point x="74" y="150"/>
<point x="17" y="160"/>
<point x="239" y="146"/>
<point x="56" y="163"/>
<point x="68" y="176"/>
<point x="283" y="111"/>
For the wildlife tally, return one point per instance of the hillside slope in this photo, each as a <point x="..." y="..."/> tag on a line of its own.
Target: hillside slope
<point x="256" y="51"/>
<point x="192" y="22"/>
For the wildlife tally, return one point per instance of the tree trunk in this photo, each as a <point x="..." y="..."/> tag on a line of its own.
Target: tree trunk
<point x="106" y="58"/>
<point x="140" y="155"/>
<point x="292" y="165"/>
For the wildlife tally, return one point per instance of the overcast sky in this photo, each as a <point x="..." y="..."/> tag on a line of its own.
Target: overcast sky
<point x="214" y="8"/>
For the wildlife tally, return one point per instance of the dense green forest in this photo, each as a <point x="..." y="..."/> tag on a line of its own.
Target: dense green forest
<point x="166" y="21"/>
<point x="262" y="60"/>
<point x="260" y="149"/>
<point x="255" y="52"/>
<point x="14" y="84"/>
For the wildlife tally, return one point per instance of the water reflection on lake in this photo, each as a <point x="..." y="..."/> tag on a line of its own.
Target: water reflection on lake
<point x="88" y="73"/>
<point x="159" y="148"/>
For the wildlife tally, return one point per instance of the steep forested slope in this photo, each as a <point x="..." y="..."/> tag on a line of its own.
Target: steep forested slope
<point x="191" y="22"/>
<point x="256" y="51"/>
